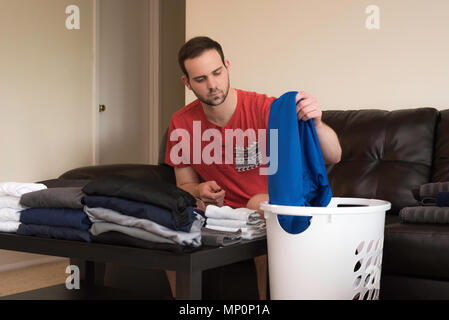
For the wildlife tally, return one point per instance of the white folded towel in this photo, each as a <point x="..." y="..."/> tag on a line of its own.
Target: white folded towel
<point x="11" y="202"/>
<point x="17" y="189"/>
<point x="231" y="223"/>
<point x="9" y="226"/>
<point x="227" y="212"/>
<point x="247" y="233"/>
<point x="8" y="214"/>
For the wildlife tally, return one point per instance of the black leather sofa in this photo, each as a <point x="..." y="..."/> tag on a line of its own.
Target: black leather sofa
<point x="386" y="155"/>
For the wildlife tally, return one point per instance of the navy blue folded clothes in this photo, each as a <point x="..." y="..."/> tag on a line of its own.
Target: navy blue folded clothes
<point x="442" y="199"/>
<point x="57" y="217"/>
<point x="53" y="232"/>
<point x="153" y="191"/>
<point x="140" y="210"/>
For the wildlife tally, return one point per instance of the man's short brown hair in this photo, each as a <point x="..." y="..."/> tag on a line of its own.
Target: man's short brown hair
<point x="195" y="47"/>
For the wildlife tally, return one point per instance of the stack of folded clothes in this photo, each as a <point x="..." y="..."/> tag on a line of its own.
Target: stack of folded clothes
<point x="433" y="205"/>
<point x="143" y="213"/>
<point x="55" y="213"/>
<point x="248" y="222"/>
<point x="10" y="207"/>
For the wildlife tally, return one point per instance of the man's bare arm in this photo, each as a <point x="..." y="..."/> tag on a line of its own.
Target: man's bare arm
<point x="188" y="180"/>
<point x="330" y="146"/>
<point x="208" y="192"/>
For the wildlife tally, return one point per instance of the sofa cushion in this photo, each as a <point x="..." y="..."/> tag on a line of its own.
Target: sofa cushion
<point x="418" y="250"/>
<point x="441" y="155"/>
<point x="386" y="154"/>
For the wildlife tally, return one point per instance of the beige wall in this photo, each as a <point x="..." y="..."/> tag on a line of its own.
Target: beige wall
<point x="324" y="48"/>
<point x="45" y="93"/>
<point x="45" y="89"/>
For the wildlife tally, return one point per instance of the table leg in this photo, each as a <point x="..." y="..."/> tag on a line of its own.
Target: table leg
<point x="91" y="273"/>
<point x="261" y="263"/>
<point x="188" y="285"/>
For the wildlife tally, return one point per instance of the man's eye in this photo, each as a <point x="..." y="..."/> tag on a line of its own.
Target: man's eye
<point x="200" y="80"/>
<point x="217" y="73"/>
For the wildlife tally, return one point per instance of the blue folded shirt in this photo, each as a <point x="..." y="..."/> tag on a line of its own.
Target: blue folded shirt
<point x="442" y="199"/>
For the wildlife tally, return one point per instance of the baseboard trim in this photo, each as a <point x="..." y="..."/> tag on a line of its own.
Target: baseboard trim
<point x="29" y="263"/>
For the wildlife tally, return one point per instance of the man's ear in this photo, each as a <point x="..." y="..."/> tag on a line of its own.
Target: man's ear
<point x="227" y="65"/>
<point x="186" y="82"/>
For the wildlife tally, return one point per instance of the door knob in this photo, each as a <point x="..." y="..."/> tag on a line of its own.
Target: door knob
<point x="102" y="108"/>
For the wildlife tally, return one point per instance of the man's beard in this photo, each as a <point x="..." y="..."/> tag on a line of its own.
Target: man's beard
<point x="214" y="98"/>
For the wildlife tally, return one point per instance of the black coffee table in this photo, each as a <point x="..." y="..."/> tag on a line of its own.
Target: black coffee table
<point x="188" y="266"/>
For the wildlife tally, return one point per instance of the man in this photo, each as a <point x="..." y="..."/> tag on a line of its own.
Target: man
<point x="234" y="179"/>
<point x="220" y="107"/>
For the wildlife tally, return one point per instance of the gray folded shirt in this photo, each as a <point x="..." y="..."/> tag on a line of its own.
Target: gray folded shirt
<point x="428" y="214"/>
<point x="103" y="226"/>
<point x="431" y="189"/>
<point x="217" y="238"/>
<point x="54" y="198"/>
<point x="192" y="238"/>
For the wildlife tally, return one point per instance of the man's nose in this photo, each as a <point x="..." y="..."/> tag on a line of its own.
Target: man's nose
<point x="211" y="83"/>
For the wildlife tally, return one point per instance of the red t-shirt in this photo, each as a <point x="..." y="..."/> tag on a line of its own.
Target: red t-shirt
<point x="226" y="155"/>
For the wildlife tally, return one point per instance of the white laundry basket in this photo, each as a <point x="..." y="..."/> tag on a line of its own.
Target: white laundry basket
<point x="339" y="256"/>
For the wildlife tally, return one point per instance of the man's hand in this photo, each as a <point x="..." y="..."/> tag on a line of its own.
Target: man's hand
<point x="211" y="193"/>
<point x="308" y="108"/>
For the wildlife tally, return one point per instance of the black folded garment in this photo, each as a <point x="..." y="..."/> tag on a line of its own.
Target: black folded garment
<point x="65" y="183"/>
<point x="152" y="191"/>
<point x="118" y="238"/>
<point x="53" y="232"/>
<point x="428" y="201"/>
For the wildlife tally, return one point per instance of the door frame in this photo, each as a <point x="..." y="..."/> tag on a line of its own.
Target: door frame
<point x="153" y="67"/>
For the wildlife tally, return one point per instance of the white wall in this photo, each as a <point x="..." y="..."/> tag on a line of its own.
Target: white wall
<point x="323" y="47"/>
<point x="45" y="94"/>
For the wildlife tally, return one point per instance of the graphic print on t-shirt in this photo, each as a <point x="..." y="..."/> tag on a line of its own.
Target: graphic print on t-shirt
<point x="247" y="158"/>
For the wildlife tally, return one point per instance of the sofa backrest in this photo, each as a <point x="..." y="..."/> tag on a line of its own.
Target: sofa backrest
<point x="440" y="169"/>
<point x="386" y="154"/>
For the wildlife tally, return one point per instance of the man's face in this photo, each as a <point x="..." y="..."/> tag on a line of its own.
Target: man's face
<point x="208" y="77"/>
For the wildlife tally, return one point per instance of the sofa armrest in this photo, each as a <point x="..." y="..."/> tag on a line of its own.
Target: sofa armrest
<point x="161" y="172"/>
